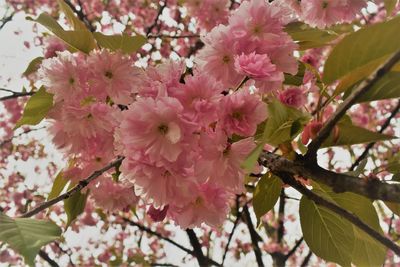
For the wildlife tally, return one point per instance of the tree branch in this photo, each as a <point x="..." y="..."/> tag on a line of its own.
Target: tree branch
<point x="49" y="260"/>
<point x="238" y="216"/>
<point x="341" y="111"/>
<point x="383" y="128"/>
<point x="198" y="253"/>
<point x="255" y="238"/>
<point x="82" y="184"/>
<point x="290" y="180"/>
<point x="160" y="11"/>
<point x="306" y="259"/>
<point x="81" y="15"/>
<point x="293" y="250"/>
<point x="14" y="94"/>
<point x="370" y="188"/>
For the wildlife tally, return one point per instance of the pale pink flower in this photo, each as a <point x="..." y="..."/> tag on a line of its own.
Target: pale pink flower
<point x="53" y="45"/>
<point x="112" y="196"/>
<point x="217" y="58"/>
<point x="242" y="112"/>
<point x="221" y="161"/>
<point x="255" y="66"/>
<point x="64" y="76"/>
<point x="324" y="13"/>
<point x="210" y="206"/>
<point x="155" y="127"/>
<point x="114" y="74"/>
<point x="200" y="97"/>
<point x="293" y="96"/>
<point x="157" y="185"/>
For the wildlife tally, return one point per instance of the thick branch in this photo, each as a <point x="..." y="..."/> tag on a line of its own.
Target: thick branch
<point x="198" y="253"/>
<point x="290" y="180"/>
<point x="253" y="235"/>
<point x="82" y="184"/>
<point x="341" y="111"/>
<point x="383" y="128"/>
<point x="370" y="188"/>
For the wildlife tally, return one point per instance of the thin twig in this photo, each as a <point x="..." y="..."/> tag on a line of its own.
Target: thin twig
<point x="49" y="260"/>
<point x="306" y="259"/>
<point x="160" y="11"/>
<point x="238" y="216"/>
<point x="255" y="238"/>
<point x="2" y="143"/>
<point x="290" y="180"/>
<point x="383" y="128"/>
<point x="82" y="184"/>
<point x="341" y="111"/>
<point x="293" y="250"/>
<point x="14" y="94"/>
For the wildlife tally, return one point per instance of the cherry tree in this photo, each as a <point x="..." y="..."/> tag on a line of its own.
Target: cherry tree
<point x="205" y="133"/>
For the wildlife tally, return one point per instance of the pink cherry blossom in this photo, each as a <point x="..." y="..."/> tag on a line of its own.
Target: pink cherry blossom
<point x="255" y="66"/>
<point x="293" y="96"/>
<point x="242" y="112"/>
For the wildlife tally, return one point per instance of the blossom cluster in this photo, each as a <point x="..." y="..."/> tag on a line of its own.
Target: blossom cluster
<point x="182" y="139"/>
<point x="253" y="44"/>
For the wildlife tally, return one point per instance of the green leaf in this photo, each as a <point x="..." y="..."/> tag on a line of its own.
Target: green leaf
<point x="36" y="108"/>
<point x="125" y="43"/>
<point x="48" y="21"/>
<point x="266" y="195"/>
<point x="81" y="39"/>
<point x="252" y="158"/>
<point x="75" y="22"/>
<point x="27" y="236"/>
<point x="308" y="37"/>
<point x="350" y="134"/>
<point x="74" y="205"/>
<point x="367" y="251"/>
<point x="390" y="5"/>
<point x="360" y="168"/>
<point x="279" y="127"/>
<point x="58" y="185"/>
<point x="358" y="49"/>
<point x="33" y="66"/>
<point x="387" y="87"/>
<point x="327" y="234"/>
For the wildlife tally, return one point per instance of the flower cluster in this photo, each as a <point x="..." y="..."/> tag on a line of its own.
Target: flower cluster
<point x="253" y="45"/>
<point x="177" y="138"/>
<point x="175" y="133"/>
<point x="325" y="13"/>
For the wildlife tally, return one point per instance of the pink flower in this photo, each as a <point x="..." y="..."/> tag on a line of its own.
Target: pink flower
<point x="155" y="127"/>
<point x="64" y="76"/>
<point x="209" y="205"/>
<point x="200" y="97"/>
<point x="323" y="13"/>
<point x="53" y="45"/>
<point x="242" y="112"/>
<point x="217" y="58"/>
<point x="112" y="196"/>
<point x="114" y="74"/>
<point x="221" y="161"/>
<point x="293" y="96"/>
<point x="254" y="65"/>
<point x="157" y="215"/>
<point x="158" y="185"/>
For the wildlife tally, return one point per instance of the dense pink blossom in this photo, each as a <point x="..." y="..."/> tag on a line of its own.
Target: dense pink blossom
<point x="209" y="204"/>
<point x="255" y="66"/>
<point x="112" y="196"/>
<point x="154" y="127"/>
